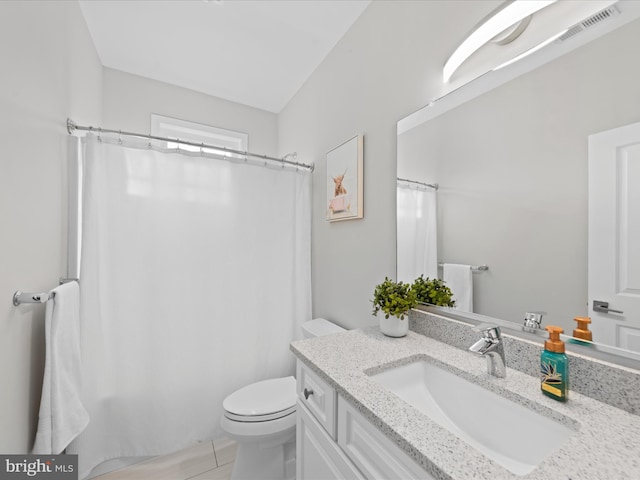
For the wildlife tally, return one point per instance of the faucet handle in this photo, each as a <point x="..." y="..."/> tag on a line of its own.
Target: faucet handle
<point x="489" y="331"/>
<point x="533" y="319"/>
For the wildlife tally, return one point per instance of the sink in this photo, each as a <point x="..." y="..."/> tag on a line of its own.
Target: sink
<point x="510" y="434"/>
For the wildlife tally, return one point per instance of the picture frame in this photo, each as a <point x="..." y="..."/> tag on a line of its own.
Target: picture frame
<point x="344" y="180"/>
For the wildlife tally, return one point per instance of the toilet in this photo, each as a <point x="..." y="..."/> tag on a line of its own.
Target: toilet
<point x="261" y="418"/>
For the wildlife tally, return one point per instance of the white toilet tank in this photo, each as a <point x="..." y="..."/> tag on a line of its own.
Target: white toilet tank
<point x="319" y="327"/>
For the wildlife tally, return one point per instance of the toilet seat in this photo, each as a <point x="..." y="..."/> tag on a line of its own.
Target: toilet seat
<point x="260" y="418"/>
<point x="263" y="401"/>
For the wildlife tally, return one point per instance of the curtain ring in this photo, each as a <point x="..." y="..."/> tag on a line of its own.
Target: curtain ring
<point x="202" y="149"/>
<point x="120" y="137"/>
<point x="99" y="134"/>
<point x="149" y="144"/>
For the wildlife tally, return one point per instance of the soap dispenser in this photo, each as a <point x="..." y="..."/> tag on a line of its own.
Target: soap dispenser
<point x="582" y="331"/>
<point x="554" y="366"/>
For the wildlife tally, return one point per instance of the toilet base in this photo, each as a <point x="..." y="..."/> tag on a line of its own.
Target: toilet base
<point x="266" y="450"/>
<point x="257" y="461"/>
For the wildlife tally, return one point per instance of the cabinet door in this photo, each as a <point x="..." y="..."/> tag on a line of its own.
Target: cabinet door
<point x="317" y="455"/>
<point x="371" y="451"/>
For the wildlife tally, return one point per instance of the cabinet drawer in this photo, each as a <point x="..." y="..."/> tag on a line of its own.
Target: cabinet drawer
<point x="319" y="398"/>
<point x="371" y="451"/>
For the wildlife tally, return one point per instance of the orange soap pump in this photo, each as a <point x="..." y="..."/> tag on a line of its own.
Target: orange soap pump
<point x="554" y="366"/>
<point x="582" y="330"/>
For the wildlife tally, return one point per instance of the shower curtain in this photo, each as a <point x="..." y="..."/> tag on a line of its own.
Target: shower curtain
<point x="195" y="277"/>
<point x="417" y="233"/>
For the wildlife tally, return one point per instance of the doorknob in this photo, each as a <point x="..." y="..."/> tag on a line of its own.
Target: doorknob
<point x="600" y="306"/>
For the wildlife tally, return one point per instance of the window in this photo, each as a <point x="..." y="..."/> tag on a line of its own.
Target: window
<point x="198" y="133"/>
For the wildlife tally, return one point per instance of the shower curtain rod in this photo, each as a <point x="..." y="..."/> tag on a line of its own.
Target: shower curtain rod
<point x="430" y="185"/>
<point x="71" y="127"/>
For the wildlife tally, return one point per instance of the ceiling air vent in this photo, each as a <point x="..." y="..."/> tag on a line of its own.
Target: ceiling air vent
<point x="592" y="21"/>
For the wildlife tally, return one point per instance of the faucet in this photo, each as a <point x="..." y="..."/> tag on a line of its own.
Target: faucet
<point x="533" y="321"/>
<point x="491" y="346"/>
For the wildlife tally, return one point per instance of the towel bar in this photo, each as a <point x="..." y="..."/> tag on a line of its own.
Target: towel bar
<point x="26" y="297"/>
<point x="29" y="297"/>
<point x="475" y="268"/>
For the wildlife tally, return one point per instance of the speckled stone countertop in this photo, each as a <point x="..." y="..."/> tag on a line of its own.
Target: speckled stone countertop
<point x="605" y="445"/>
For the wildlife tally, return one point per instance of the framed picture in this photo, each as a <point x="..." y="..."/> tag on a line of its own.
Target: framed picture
<point x="345" y="197"/>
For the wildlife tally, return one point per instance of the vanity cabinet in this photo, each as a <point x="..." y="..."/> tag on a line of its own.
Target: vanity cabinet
<point x="318" y="396"/>
<point x="318" y="457"/>
<point x="370" y="450"/>
<point x="334" y="441"/>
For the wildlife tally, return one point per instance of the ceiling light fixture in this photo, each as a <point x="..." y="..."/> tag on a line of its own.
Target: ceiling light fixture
<point x="533" y="49"/>
<point x="510" y="14"/>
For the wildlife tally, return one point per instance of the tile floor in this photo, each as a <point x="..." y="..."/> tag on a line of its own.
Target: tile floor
<point x="204" y="461"/>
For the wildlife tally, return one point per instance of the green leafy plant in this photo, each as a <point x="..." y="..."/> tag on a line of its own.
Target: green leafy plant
<point x="393" y="298"/>
<point x="433" y="291"/>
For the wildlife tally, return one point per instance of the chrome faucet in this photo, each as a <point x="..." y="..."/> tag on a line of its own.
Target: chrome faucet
<point x="491" y="346"/>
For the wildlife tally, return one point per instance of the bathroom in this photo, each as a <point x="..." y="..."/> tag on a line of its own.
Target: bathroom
<point x="387" y="66"/>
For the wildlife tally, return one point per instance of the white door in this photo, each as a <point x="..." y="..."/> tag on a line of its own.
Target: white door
<point x="614" y="236"/>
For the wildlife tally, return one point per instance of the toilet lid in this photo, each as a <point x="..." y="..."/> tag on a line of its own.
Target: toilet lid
<point x="262" y="401"/>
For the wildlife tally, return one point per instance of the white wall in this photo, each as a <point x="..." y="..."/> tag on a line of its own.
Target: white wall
<point x="50" y="71"/>
<point x="129" y="100"/>
<point x="385" y="67"/>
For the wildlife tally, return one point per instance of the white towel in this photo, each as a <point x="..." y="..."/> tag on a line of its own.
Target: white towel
<point x="62" y="415"/>
<point x="459" y="278"/>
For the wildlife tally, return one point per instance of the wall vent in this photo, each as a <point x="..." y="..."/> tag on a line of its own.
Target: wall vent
<point x="590" y="22"/>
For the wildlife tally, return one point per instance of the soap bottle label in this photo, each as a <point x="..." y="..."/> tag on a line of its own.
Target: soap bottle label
<point x="553" y="381"/>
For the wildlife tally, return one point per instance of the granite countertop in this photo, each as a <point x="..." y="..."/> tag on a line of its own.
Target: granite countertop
<point x="605" y="445"/>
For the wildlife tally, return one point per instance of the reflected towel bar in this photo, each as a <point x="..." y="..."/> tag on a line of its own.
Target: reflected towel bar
<point x="475" y="268"/>
<point x="30" y="297"/>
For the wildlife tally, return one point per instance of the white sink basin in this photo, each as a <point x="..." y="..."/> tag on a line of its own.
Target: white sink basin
<point x="510" y="434"/>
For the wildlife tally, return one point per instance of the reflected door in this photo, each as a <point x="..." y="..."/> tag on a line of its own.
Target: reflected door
<point x="614" y="236"/>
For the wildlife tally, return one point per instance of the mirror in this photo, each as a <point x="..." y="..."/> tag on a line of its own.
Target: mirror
<point x="512" y="172"/>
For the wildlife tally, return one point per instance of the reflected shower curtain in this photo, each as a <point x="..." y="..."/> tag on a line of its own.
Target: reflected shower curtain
<point x="417" y="233"/>
<point x="195" y="277"/>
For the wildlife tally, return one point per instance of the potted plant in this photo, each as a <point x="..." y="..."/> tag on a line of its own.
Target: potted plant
<point x="391" y="303"/>
<point x="433" y="292"/>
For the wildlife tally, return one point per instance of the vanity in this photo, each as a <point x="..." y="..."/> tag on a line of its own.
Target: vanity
<point x="355" y="421"/>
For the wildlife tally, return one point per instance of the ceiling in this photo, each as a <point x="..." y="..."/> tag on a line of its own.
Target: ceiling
<point x="255" y="52"/>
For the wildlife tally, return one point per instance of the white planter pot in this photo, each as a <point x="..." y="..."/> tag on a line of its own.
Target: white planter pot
<point x="393" y="326"/>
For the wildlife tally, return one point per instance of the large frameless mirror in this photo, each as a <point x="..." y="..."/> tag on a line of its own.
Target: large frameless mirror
<point x="510" y="153"/>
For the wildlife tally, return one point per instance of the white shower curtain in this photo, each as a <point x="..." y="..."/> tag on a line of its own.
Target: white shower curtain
<point x="195" y="277"/>
<point x="417" y="233"/>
